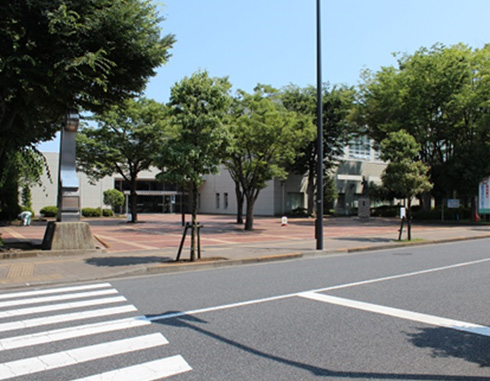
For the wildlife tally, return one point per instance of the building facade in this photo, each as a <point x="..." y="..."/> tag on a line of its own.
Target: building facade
<point x="360" y="164"/>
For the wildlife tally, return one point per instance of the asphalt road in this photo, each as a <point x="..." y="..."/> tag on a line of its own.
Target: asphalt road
<point x="417" y="313"/>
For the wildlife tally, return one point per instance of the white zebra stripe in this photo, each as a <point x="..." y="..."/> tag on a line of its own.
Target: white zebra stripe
<point x="65" y="318"/>
<point x="55" y="298"/>
<point x="61" y="306"/>
<point x="153" y="370"/>
<point x="53" y="291"/>
<point x="71" y="333"/>
<point x="79" y="355"/>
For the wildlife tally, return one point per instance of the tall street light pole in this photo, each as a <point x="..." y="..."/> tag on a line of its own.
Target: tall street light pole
<point x="319" y="118"/>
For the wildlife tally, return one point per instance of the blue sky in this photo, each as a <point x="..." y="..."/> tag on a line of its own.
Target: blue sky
<point x="274" y="41"/>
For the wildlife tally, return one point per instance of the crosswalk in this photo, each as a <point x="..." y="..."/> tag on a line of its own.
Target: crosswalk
<point x="87" y="332"/>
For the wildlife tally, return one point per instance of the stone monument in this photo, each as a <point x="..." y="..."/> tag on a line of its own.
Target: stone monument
<point x="68" y="233"/>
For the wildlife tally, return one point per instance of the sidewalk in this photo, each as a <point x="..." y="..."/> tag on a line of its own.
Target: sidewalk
<point x="150" y="246"/>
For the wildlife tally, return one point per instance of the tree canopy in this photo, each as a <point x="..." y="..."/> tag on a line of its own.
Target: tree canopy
<point x="440" y="96"/>
<point x="57" y="55"/>
<point x="198" y="109"/>
<point x="405" y="176"/>
<point x="125" y="142"/>
<point x="264" y="139"/>
<point x="338" y="101"/>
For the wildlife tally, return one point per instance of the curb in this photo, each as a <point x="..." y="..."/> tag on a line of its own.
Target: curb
<point x="172" y="267"/>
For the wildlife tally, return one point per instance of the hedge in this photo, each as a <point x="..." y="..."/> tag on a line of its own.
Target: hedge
<point x="49" y="211"/>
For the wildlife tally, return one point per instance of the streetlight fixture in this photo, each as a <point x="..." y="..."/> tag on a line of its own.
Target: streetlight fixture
<point x="319" y="179"/>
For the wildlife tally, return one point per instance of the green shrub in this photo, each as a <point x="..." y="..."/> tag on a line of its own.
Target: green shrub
<point x="107" y="213"/>
<point x="114" y="198"/>
<point x="1" y="241"/>
<point x="449" y="214"/>
<point x="91" y="212"/>
<point x="49" y="211"/>
<point x="386" y="211"/>
<point x="298" y="212"/>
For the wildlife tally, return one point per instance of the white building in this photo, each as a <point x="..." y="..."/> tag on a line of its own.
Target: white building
<point x="217" y="194"/>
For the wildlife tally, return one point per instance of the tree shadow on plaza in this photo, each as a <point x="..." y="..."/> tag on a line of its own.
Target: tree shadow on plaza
<point x="182" y="320"/>
<point x="448" y="343"/>
<point x="126" y="261"/>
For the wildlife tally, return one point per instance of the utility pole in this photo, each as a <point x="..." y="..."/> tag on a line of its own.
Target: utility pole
<point x="319" y="178"/>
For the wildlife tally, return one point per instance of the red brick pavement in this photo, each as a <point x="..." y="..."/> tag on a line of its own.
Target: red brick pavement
<point x="159" y="231"/>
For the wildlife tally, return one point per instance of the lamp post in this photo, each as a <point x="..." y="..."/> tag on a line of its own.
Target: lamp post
<point x="319" y="179"/>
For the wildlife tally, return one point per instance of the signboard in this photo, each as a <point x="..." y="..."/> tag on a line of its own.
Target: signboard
<point x="453" y="203"/>
<point x="484" y="197"/>
<point x="403" y="212"/>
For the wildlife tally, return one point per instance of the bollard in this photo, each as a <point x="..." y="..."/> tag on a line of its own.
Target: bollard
<point x="284" y="221"/>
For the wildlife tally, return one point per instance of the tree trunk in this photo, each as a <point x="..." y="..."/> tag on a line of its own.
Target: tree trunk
<point x="134" y="202"/>
<point x="409" y="219"/>
<point x="249" y="222"/>
<point x="311" y="192"/>
<point x="239" y="203"/>
<point x="194" y="222"/>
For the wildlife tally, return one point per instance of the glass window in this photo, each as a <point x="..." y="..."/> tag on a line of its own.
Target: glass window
<point x="217" y="200"/>
<point x="360" y="148"/>
<point x="225" y="201"/>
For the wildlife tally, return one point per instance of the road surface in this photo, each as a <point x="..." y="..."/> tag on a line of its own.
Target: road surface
<point x="417" y="313"/>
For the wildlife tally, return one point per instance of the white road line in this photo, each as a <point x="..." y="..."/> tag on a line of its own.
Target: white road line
<point x="79" y="355"/>
<point x="53" y="291"/>
<point x="153" y="370"/>
<point x="55" y="298"/>
<point x="338" y="287"/>
<point x="60" y="307"/>
<point x="399" y="313"/>
<point x="65" y="318"/>
<point x="71" y="332"/>
<point x="400" y="276"/>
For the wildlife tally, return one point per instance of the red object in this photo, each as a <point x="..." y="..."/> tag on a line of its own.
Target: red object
<point x="476" y="217"/>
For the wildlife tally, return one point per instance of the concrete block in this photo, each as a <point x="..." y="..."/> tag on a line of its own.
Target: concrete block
<point x="68" y="236"/>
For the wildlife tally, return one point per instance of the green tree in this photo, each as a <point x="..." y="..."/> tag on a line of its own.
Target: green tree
<point x="114" y="198"/>
<point x="405" y="176"/>
<point x="338" y="102"/>
<point x="198" y="110"/>
<point x="58" y="55"/>
<point x="440" y="96"/>
<point x="264" y="138"/>
<point x="23" y="169"/>
<point x="125" y="142"/>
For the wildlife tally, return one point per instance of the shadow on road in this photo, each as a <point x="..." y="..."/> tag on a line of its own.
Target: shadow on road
<point x="450" y="343"/>
<point x="125" y="261"/>
<point x="182" y="320"/>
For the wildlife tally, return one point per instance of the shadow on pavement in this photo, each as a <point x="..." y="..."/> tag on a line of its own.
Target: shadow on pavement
<point x="126" y="261"/>
<point x="449" y="343"/>
<point x="182" y="320"/>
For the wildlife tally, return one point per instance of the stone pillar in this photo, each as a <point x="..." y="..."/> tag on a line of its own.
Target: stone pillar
<point x="364" y="209"/>
<point x="68" y="233"/>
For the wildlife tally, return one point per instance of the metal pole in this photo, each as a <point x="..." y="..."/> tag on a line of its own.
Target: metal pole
<point x="319" y="180"/>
